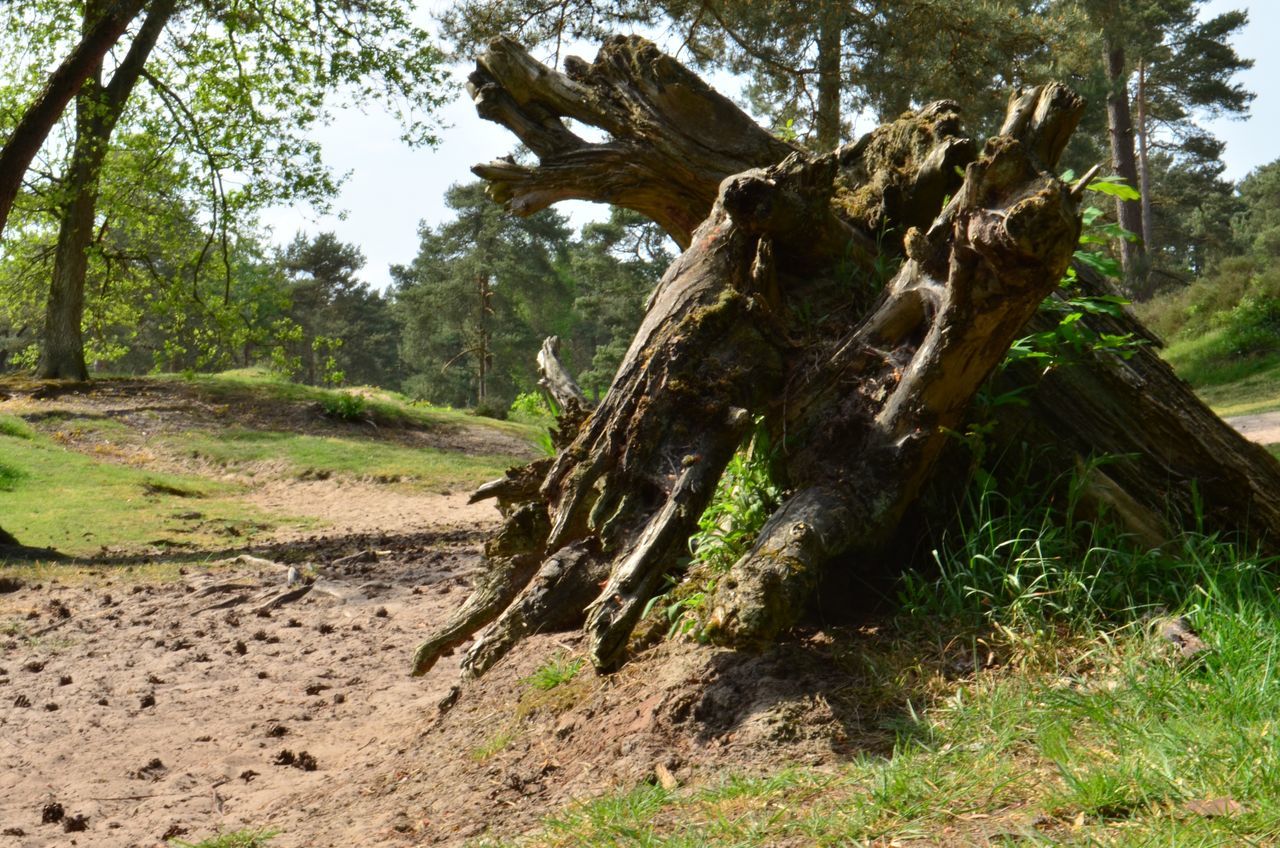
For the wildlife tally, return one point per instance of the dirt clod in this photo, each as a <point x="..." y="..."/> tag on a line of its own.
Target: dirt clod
<point x="301" y="760"/>
<point x="75" y="824"/>
<point x="146" y="701"/>
<point x="64" y="680"/>
<point x="35" y="666"/>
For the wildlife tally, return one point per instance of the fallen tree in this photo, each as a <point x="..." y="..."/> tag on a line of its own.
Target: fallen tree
<point x="780" y="309"/>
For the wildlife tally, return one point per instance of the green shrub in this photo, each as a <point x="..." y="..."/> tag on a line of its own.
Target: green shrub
<point x="490" y="409"/>
<point x="344" y="407"/>
<point x="531" y="408"/>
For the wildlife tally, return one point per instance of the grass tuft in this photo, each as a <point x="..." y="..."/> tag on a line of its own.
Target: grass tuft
<point x="238" y="839"/>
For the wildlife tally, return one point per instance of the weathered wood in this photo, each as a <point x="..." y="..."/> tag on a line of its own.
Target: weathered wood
<point x="870" y="420"/>
<point x="672" y="138"/>
<point x="556" y="379"/>
<point x="777" y="309"/>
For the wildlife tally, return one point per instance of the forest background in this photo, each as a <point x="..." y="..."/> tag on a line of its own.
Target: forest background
<point x="146" y="210"/>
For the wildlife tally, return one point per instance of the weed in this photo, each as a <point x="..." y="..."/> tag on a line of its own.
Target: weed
<point x="344" y="406"/>
<point x="744" y="499"/>
<point x="15" y="427"/>
<point x="494" y="744"/>
<point x="10" y="476"/>
<point x="554" y="672"/>
<point x="532" y="408"/>
<point x="238" y="839"/>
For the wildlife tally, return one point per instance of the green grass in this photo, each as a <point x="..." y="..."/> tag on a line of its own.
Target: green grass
<point x="423" y="468"/>
<point x="380" y="405"/>
<point x="558" y="670"/>
<point x="238" y="839"/>
<point x="1232" y="385"/>
<point x="51" y="496"/>
<point x="1086" y="730"/>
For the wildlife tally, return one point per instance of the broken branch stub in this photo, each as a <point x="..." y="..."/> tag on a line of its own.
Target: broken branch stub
<point x="777" y="310"/>
<point x="671" y="137"/>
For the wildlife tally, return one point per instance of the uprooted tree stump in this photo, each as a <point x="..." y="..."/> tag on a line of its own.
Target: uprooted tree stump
<point x="778" y="310"/>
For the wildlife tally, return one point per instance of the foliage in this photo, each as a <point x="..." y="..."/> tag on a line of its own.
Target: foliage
<point x="1070" y="337"/>
<point x="479" y="297"/>
<point x="487" y="288"/>
<point x="531" y="407"/>
<point x="348" y="331"/>
<point x="236" y="839"/>
<point x="556" y="671"/>
<point x="744" y="499"/>
<point x="344" y="406"/>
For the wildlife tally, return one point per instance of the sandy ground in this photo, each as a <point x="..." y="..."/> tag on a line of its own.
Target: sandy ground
<point x="1263" y="428"/>
<point x="156" y="711"/>
<point x="134" y="711"/>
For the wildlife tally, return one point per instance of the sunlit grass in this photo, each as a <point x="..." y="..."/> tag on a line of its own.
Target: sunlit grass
<point x="1088" y="730"/>
<point x="312" y="456"/>
<point x="1231" y="384"/>
<point x="52" y="496"/>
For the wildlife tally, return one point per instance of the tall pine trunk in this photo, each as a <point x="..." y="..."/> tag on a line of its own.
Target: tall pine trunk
<point x="1124" y="161"/>
<point x="827" y="123"/>
<point x="1144" y="165"/>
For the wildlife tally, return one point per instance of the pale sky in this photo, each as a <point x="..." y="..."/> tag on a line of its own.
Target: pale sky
<point x="392" y="187"/>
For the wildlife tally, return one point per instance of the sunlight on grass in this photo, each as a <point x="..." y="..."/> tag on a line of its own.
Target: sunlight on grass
<point x="383" y="405"/>
<point x="1089" y="729"/>
<point x="312" y="456"/>
<point x="54" y="497"/>
<point x="1230" y="384"/>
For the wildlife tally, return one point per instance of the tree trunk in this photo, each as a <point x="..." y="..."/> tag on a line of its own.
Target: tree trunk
<point x="1124" y="161"/>
<point x="98" y="110"/>
<point x="827" y="123"/>
<point x="63" y="84"/>
<point x="777" y="310"/>
<point x="1144" y="166"/>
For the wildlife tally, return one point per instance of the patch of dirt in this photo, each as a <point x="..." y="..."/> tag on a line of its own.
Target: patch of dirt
<point x="273" y="692"/>
<point x="177" y="708"/>
<point x="1263" y="428"/>
<point x="351" y="507"/>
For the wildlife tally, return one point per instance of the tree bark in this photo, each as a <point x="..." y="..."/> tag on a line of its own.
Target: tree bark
<point x="98" y="110"/>
<point x="830" y="32"/>
<point x="1133" y="258"/>
<point x="777" y="309"/>
<point x="63" y="84"/>
<point x="1144" y="165"/>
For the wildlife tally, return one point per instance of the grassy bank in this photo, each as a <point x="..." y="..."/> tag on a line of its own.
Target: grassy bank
<point x="1083" y="726"/>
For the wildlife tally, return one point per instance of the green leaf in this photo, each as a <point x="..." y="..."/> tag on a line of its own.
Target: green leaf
<point x="1115" y="187"/>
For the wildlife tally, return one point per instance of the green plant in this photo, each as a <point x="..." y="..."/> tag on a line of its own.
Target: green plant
<point x="9" y="477"/>
<point x="344" y="406"/>
<point x="743" y="501"/>
<point x="238" y="839"/>
<point x="1071" y="337"/>
<point x="556" y="671"/>
<point x="490" y="409"/>
<point x="15" y="427"/>
<point x="531" y="407"/>
<point x="494" y="744"/>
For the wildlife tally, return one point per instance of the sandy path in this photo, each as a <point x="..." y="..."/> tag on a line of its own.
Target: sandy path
<point x="1263" y="427"/>
<point x="152" y="718"/>
<point x="347" y="506"/>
